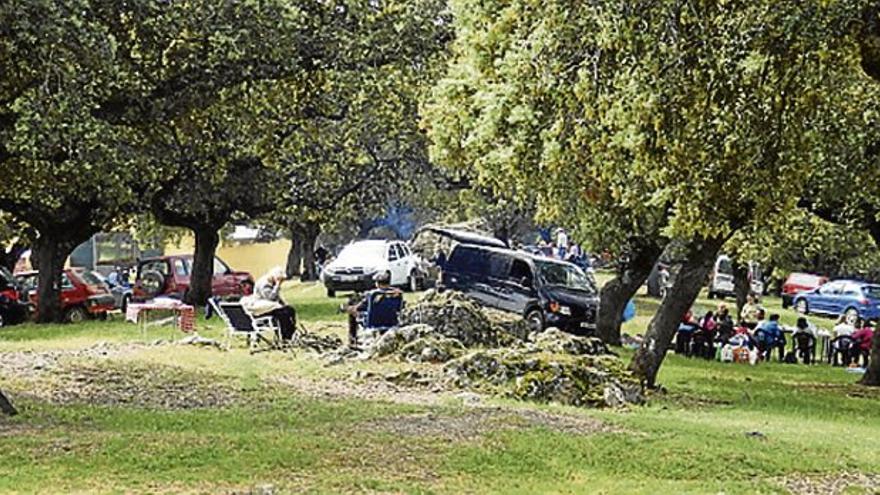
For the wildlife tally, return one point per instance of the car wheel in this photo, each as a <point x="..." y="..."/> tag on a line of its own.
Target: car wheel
<point x="711" y="295"/>
<point x="802" y="306"/>
<point x="535" y="319"/>
<point x="852" y="314"/>
<point x="331" y="292"/>
<point x="76" y="314"/>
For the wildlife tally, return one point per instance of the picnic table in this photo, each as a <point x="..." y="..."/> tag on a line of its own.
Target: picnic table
<point x="175" y="312"/>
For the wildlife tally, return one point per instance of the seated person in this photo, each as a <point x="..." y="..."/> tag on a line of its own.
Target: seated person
<point x="742" y="336"/>
<point x="843" y="327"/>
<point x="380" y="307"/>
<point x="863" y="338"/>
<point x="804" y="326"/>
<point x="773" y="337"/>
<point x="750" y="313"/>
<point x="724" y="323"/>
<point x="685" y="330"/>
<point x="266" y="301"/>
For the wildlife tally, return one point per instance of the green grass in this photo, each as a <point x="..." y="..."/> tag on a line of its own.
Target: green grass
<point x="690" y="439"/>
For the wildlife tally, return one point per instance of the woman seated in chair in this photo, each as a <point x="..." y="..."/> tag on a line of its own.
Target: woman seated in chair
<point x="266" y="301"/>
<point x="863" y="338"/>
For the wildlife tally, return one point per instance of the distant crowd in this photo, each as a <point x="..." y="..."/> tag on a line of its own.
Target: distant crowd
<point x="754" y="336"/>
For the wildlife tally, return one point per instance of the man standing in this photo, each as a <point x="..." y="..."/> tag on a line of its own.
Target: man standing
<point x="561" y="243"/>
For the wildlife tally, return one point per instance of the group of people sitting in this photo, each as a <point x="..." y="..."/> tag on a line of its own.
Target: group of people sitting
<point x="378" y="308"/>
<point x="754" y="336"/>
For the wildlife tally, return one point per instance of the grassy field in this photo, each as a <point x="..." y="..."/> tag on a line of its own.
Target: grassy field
<point x="122" y="422"/>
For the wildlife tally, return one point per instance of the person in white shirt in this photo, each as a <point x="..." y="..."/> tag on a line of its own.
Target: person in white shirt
<point x="561" y="242"/>
<point x="843" y="327"/>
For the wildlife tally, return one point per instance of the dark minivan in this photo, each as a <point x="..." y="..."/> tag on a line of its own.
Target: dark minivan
<point x="547" y="292"/>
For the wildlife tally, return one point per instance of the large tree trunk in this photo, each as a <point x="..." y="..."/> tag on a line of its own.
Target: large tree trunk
<point x="201" y="279"/>
<point x="681" y="296"/>
<point x="617" y="292"/>
<point x="295" y="255"/>
<point x="872" y="374"/>
<point x="6" y="406"/>
<point x="310" y="232"/>
<point x="50" y="255"/>
<point x="741" y="285"/>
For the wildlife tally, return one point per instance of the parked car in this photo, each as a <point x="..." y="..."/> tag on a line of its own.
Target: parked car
<point x="353" y="269"/>
<point x="120" y="288"/>
<point x="8" y="286"/>
<point x="12" y="311"/>
<point x="545" y="291"/>
<point x="841" y="297"/>
<point x="722" y="284"/>
<point x="799" y="282"/>
<point x="83" y="294"/>
<point x="170" y="276"/>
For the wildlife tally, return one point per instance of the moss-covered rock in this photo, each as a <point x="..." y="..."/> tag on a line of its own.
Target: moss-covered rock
<point x="396" y="338"/>
<point x="555" y="340"/>
<point x="432" y="349"/>
<point x="453" y="315"/>
<point x="560" y="378"/>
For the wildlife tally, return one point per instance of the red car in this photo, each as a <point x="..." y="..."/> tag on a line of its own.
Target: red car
<point x="8" y="287"/>
<point x="83" y="295"/>
<point x="799" y="282"/>
<point x="170" y="276"/>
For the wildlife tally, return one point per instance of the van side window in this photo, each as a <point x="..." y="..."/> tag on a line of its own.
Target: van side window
<point x="519" y="270"/>
<point x="467" y="260"/>
<point x="498" y="265"/>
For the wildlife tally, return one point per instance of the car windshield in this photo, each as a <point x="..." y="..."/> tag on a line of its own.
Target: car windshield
<point x="362" y="252"/>
<point x="565" y="275"/>
<point x="872" y="291"/>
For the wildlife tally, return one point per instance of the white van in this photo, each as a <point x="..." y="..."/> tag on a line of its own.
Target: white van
<point x="721" y="282"/>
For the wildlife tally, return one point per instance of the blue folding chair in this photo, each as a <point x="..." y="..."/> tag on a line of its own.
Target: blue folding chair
<point x="383" y="308"/>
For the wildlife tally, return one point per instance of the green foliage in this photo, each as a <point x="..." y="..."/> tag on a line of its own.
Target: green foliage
<point x="637" y="111"/>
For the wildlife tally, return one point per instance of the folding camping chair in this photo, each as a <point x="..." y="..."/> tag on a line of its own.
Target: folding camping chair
<point x="241" y="323"/>
<point x="383" y="308"/>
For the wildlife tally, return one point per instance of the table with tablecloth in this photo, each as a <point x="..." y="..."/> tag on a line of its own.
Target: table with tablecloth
<point x="183" y="316"/>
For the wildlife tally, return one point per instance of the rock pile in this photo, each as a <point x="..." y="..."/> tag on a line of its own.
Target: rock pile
<point x="455" y="316"/>
<point x="490" y="351"/>
<point x="556" y="367"/>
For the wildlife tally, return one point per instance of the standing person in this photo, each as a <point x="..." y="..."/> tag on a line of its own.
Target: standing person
<point x="561" y="242"/>
<point x="321" y="256"/>
<point x="749" y="313"/>
<point x="266" y="301"/>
